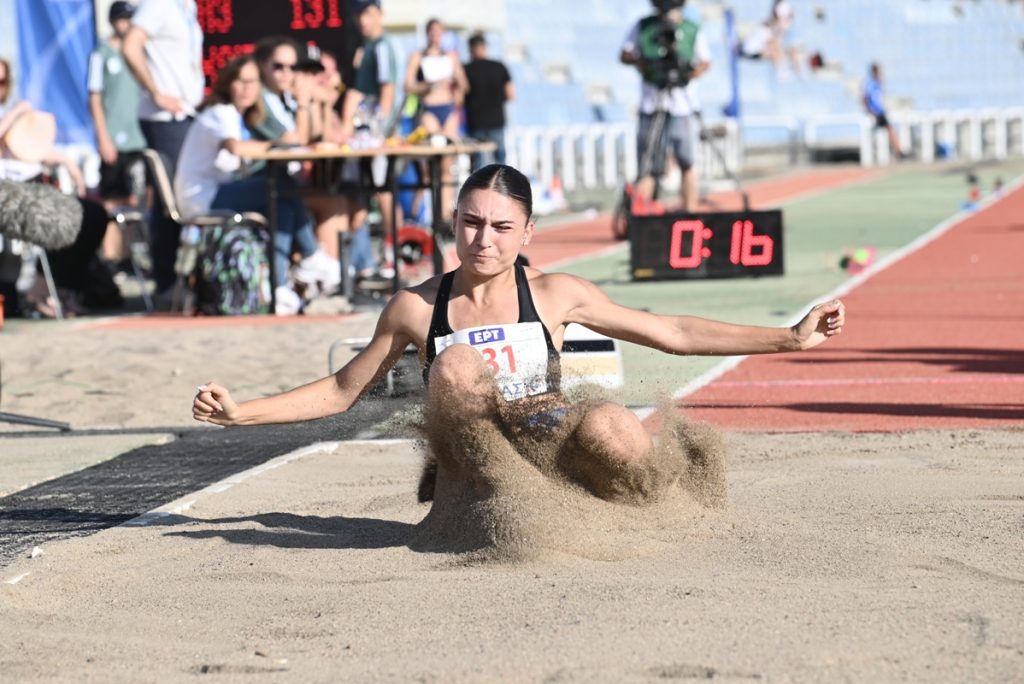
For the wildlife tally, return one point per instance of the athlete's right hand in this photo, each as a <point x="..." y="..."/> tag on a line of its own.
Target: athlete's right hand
<point x="213" y="404"/>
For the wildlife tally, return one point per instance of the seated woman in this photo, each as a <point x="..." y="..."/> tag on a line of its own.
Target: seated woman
<point x="210" y="173"/>
<point x="454" y="320"/>
<point x="81" y="279"/>
<point x="295" y="113"/>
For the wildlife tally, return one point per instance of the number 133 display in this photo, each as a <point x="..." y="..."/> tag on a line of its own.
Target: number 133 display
<point x="706" y="245"/>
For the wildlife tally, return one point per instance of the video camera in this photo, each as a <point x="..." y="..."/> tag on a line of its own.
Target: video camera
<point x="666" y="46"/>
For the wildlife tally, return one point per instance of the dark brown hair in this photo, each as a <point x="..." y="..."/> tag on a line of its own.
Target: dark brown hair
<point x="502" y="179"/>
<point x="10" y="80"/>
<point x="221" y="92"/>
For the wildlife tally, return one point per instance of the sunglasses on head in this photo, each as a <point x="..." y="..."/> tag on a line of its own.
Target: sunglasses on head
<point x="278" y="66"/>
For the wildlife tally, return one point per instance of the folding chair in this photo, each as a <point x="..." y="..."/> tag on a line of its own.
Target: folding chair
<point x="218" y="217"/>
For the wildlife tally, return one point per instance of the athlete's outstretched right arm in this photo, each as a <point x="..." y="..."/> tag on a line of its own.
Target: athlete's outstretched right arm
<point x="324" y="397"/>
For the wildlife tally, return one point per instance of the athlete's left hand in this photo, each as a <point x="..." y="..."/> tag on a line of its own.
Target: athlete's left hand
<point x="822" y="322"/>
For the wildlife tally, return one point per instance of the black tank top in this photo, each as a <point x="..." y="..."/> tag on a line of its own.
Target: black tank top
<point x="440" y="327"/>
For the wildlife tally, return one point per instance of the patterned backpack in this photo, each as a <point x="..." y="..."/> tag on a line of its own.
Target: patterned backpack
<point x="232" y="273"/>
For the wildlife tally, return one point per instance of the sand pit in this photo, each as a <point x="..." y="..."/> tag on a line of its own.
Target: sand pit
<point x="858" y="557"/>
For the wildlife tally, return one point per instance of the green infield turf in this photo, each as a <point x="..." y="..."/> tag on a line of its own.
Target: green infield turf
<point x="885" y="213"/>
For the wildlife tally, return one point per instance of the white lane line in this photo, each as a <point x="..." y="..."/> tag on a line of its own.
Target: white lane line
<point x="179" y="506"/>
<point x="728" y="363"/>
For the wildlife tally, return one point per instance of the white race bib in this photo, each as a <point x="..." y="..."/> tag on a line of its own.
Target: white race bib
<point x="517" y="353"/>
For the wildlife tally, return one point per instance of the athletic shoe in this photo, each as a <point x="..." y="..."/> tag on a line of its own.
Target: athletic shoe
<point x="287" y="301"/>
<point x="319" y="268"/>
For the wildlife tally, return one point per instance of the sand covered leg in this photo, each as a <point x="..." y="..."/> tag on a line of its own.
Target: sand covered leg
<point x="486" y="495"/>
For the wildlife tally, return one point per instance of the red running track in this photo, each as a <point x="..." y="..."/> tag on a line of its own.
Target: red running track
<point x="934" y="341"/>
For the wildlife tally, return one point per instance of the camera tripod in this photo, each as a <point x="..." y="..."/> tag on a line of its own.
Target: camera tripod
<point x="624" y="206"/>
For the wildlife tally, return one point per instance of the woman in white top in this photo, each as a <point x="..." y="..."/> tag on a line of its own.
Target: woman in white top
<point x="210" y="173"/>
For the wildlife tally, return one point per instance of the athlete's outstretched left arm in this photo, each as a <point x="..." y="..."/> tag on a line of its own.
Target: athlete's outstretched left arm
<point x="692" y="335"/>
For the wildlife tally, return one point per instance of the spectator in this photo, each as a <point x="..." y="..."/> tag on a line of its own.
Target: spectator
<point x="114" y="104"/>
<point x="874" y="104"/>
<point x="163" y="49"/>
<point x="768" y="40"/>
<point x="211" y="175"/>
<point x="372" y="100"/>
<point x="44" y="157"/>
<point x="287" y="93"/>
<point x="294" y="104"/>
<point x="662" y="91"/>
<point x="80" y="278"/>
<point x="490" y="87"/>
<point x="327" y="95"/>
<point x="435" y="75"/>
<point x="375" y="84"/>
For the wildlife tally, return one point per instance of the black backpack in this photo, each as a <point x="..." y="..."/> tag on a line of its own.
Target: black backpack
<point x="232" y="273"/>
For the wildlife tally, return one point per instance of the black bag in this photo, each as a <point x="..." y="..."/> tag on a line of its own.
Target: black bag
<point x="232" y="274"/>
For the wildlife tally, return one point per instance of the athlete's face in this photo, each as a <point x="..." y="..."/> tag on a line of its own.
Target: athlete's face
<point x="490" y="229"/>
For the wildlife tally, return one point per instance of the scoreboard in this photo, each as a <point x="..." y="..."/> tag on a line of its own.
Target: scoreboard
<point x="706" y="245"/>
<point x="232" y="27"/>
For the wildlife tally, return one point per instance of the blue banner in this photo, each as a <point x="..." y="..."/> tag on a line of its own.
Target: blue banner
<point x="732" y="40"/>
<point x="55" y="38"/>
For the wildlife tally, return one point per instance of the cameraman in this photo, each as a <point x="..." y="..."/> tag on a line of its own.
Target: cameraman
<point x="670" y="52"/>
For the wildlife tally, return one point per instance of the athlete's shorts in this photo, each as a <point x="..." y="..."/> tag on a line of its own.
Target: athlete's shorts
<point x="546" y="420"/>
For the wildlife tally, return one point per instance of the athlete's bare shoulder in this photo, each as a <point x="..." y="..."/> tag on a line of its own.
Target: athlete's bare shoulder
<point x="409" y="311"/>
<point x="557" y="294"/>
<point x="561" y="285"/>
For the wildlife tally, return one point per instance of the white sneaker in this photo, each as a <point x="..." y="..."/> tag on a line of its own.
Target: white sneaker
<point x="287" y="302"/>
<point x="319" y="268"/>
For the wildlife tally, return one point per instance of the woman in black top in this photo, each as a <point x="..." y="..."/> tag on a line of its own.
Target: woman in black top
<point x="489" y="332"/>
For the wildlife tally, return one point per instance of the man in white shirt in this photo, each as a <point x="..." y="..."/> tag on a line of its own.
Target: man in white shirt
<point x="668" y="87"/>
<point x="163" y="49"/>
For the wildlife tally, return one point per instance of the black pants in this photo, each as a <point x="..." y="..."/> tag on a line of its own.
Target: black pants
<point x="70" y="265"/>
<point x="166" y="137"/>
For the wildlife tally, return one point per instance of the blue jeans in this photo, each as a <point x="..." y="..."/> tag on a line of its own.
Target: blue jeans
<point x="494" y="135"/>
<point x="361" y="256"/>
<point x="166" y="137"/>
<point x="293" y="224"/>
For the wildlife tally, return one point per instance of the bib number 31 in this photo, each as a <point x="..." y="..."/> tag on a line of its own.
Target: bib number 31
<point x="494" y="358"/>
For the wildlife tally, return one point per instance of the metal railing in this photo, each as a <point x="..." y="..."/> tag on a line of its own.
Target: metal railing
<point x="604" y="155"/>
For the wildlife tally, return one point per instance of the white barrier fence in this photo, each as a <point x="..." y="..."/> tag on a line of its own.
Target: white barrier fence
<point x="603" y="156"/>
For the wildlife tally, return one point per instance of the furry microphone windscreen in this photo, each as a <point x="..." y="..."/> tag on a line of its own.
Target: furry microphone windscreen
<point x="39" y="214"/>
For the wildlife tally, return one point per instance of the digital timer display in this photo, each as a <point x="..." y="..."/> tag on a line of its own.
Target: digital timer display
<point x="232" y="27"/>
<point x="706" y="245"/>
